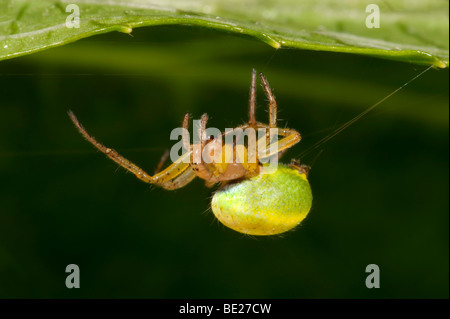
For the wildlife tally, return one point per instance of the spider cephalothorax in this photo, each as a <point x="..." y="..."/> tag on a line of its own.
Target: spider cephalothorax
<point x="250" y="199"/>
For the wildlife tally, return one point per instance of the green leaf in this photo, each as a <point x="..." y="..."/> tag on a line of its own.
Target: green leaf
<point x="415" y="32"/>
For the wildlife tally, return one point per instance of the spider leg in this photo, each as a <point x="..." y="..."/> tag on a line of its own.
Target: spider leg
<point x="185" y="134"/>
<point x="168" y="174"/>
<point x="272" y="102"/>
<point x="252" y="101"/>
<point x="197" y="164"/>
<point x="302" y="168"/>
<point x="162" y="161"/>
<point x="181" y="180"/>
<point x="202" y="128"/>
<point x="291" y="137"/>
<point x="280" y="155"/>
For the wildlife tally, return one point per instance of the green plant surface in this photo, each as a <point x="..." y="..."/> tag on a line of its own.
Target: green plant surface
<point x="414" y="32"/>
<point x="148" y="58"/>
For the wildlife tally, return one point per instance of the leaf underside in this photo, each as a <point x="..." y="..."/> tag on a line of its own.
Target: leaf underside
<point x="414" y="32"/>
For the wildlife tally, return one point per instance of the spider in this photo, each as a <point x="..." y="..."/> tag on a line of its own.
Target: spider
<point x="249" y="199"/>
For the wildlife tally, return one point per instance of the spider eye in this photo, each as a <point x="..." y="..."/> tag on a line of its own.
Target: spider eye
<point x="267" y="204"/>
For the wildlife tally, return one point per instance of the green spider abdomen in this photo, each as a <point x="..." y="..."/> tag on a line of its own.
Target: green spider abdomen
<point x="266" y="204"/>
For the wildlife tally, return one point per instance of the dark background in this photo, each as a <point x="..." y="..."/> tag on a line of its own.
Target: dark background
<point x="380" y="187"/>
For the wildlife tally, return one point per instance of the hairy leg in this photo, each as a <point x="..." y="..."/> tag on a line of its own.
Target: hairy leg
<point x="162" y="161"/>
<point x="198" y="165"/>
<point x="181" y="180"/>
<point x="185" y="134"/>
<point x="272" y="102"/>
<point x="160" y="178"/>
<point x="291" y="137"/>
<point x="252" y="101"/>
